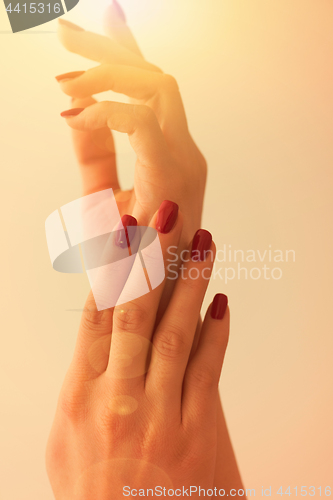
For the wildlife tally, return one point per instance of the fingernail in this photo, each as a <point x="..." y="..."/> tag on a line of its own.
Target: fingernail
<point x="166" y="216"/>
<point x="118" y="9"/>
<point x="123" y="239"/>
<point x="69" y="76"/>
<point x="71" y="112"/>
<point x="219" y="306"/>
<point x="201" y="244"/>
<point x="70" y="25"/>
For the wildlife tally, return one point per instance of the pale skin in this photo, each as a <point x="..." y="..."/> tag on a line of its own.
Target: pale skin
<point x="119" y="423"/>
<point x="169" y="166"/>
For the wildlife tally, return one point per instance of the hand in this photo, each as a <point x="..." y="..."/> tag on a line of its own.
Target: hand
<point x="181" y="177"/>
<point x="120" y="424"/>
<point x="169" y="164"/>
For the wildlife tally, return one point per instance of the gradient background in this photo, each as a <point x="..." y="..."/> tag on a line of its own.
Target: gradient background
<point x="256" y="78"/>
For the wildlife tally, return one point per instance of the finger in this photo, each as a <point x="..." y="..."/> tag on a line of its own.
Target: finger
<point x="169" y="108"/>
<point x="203" y="372"/>
<point x="95" y="151"/>
<point x="159" y="89"/>
<point x="133" y="321"/>
<point x="97" y="47"/>
<point x="107" y="264"/>
<point x="133" y="82"/>
<point x="174" y="337"/>
<point x="92" y="347"/>
<point x="138" y="121"/>
<point x="116" y="27"/>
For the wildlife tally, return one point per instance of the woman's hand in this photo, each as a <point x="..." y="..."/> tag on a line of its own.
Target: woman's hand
<point x="169" y="164"/>
<point x="136" y="410"/>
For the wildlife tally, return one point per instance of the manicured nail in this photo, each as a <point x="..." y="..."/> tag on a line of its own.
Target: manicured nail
<point x="166" y="216"/>
<point x="70" y="25"/>
<point x="118" y="9"/>
<point x="219" y="306"/>
<point x="201" y="244"/>
<point x="122" y="238"/>
<point x="71" y="112"/>
<point x="69" y="76"/>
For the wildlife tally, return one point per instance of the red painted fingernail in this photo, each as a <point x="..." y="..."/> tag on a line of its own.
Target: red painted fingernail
<point x="122" y="238"/>
<point x="201" y="244"/>
<point x="69" y="76"/>
<point x="219" y="306"/>
<point x="71" y="112"/>
<point x="70" y="25"/>
<point x="119" y="10"/>
<point x="166" y="217"/>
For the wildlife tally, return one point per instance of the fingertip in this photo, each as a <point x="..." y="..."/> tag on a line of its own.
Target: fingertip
<point x="167" y="216"/>
<point x="219" y="306"/>
<point x="65" y="77"/>
<point x="70" y="113"/>
<point x="202" y="246"/>
<point x="217" y="319"/>
<point x="69" y="25"/>
<point x="68" y="34"/>
<point x="115" y="13"/>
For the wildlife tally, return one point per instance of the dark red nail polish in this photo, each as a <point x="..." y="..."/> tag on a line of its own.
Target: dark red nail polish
<point x="119" y="10"/>
<point x="202" y="242"/>
<point x="70" y="25"/>
<point x="71" y="112"/>
<point x="166" y="217"/>
<point x="219" y="306"/>
<point x="122" y="238"/>
<point x="69" y="76"/>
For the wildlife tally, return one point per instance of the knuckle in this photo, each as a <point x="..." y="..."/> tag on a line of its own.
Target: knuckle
<point x="73" y="405"/>
<point x="204" y="377"/>
<point x="111" y="425"/>
<point x="170" y="343"/>
<point x="195" y="157"/>
<point x="191" y="281"/>
<point x="92" y="319"/>
<point x="169" y="82"/>
<point x="129" y="318"/>
<point x="144" y="113"/>
<point x="189" y="457"/>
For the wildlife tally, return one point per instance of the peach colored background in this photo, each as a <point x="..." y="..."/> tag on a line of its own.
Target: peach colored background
<point x="256" y="76"/>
